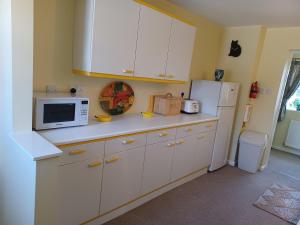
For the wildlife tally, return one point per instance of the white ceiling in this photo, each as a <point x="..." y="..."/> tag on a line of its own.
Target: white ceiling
<point x="274" y="13"/>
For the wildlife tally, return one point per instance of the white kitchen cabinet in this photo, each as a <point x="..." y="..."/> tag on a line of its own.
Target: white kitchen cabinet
<point x="79" y="191"/>
<point x="82" y="152"/>
<point x="183" y="160"/>
<point x="115" y="36"/>
<point x="152" y="45"/>
<point x="105" y="36"/>
<point x="161" y="136"/>
<point x="157" y="165"/>
<point x="124" y="38"/>
<point x="180" y="51"/>
<point x="204" y="149"/>
<point x="122" y="178"/>
<point x="124" y="143"/>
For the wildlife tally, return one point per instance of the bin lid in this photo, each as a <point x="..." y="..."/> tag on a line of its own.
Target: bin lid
<point x="254" y="138"/>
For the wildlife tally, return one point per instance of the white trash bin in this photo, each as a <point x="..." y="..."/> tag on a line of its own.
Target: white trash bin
<point x="252" y="146"/>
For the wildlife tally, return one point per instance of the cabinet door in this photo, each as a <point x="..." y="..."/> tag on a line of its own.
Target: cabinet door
<point x="180" y="51"/>
<point x="157" y="166"/>
<point x="122" y="178"/>
<point x="115" y="36"/>
<point x="204" y="149"/>
<point x="152" y="44"/>
<point x="80" y="187"/>
<point x="183" y="160"/>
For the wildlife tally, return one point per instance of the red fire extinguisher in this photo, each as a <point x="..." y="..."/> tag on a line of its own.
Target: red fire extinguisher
<point x="254" y="90"/>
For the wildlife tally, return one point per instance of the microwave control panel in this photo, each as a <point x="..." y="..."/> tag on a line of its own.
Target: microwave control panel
<point x="84" y="109"/>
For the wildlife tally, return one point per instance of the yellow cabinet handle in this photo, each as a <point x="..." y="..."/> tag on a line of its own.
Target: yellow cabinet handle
<point x="180" y="142"/>
<point x="113" y="159"/>
<point x="94" y="164"/>
<point x="163" y="134"/>
<point x="128" y="71"/>
<point x="209" y="126"/>
<point x="189" y="130"/>
<point x="128" y="142"/>
<point x="201" y="137"/>
<point x="76" y="152"/>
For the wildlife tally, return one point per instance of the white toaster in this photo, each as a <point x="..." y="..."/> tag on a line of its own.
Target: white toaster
<point x="190" y="106"/>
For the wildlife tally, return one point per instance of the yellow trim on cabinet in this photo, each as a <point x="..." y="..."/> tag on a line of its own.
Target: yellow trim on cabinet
<point x="142" y="2"/>
<point x="128" y="135"/>
<point x="121" y="77"/>
<point x="144" y="195"/>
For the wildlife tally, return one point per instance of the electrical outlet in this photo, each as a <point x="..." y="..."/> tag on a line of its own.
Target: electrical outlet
<point x="51" y="88"/>
<point x="79" y="89"/>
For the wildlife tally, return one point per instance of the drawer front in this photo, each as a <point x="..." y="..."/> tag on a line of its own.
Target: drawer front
<point x="161" y="136"/>
<point x="205" y="127"/>
<point x="124" y="143"/>
<point x="82" y="152"/>
<point x="186" y="131"/>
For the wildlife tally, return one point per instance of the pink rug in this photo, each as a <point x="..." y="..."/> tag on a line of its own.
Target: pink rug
<point x="281" y="201"/>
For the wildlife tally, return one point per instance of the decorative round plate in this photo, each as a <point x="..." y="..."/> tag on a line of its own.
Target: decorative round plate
<point x="116" y="98"/>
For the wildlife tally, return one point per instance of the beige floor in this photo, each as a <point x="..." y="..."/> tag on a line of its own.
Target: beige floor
<point x="224" y="197"/>
<point x="285" y="163"/>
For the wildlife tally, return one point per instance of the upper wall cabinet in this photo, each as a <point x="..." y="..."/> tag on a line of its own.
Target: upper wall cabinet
<point x="180" y="50"/>
<point x="106" y="30"/>
<point x="126" y="38"/>
<point x="115" y="26"/>
<point x="152" y="45"/>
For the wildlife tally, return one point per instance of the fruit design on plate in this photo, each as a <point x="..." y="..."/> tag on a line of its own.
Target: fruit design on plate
<point x="116" y="98"/>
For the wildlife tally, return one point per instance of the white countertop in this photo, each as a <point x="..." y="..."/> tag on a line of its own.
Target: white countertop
<point x="35" y="146"/>
<point x="120" y="125"/>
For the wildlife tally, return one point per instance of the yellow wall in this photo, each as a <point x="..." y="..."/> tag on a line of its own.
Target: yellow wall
<point x="276" y="52"/>
<point x="53" y="53"/>
<point x="282" y="129"/>
<point x="242" y="69"/>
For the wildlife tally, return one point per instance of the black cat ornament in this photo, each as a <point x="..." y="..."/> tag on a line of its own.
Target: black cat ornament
<point x="235" y="49"/>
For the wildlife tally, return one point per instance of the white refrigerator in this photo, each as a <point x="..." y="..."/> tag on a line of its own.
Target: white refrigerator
<point x="218" y="99"/>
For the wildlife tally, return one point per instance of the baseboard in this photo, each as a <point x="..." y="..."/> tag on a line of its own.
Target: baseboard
<point x="120" y="211"/>
<point x="231" y="163"/>
<point x="262" y="167"/>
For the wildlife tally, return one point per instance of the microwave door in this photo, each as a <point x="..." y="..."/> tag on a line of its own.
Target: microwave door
<point x="59" y="113"/>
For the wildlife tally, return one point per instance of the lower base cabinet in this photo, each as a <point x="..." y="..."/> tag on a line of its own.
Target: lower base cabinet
<point x="184" y="155"/>
<point x="122" y="178"/>
<point x="157" y="166"/>
<point x="79" y="193"/>
<point x="112" y="174"/>
<point x="204" y="144"/>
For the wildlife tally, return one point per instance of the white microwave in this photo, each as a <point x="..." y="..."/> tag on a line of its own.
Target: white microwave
<point x="59" y="110"/>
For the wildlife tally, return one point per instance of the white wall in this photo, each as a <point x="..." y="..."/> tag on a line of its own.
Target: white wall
<point x="5" y="80"/>
<point x="17" y="183"/>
